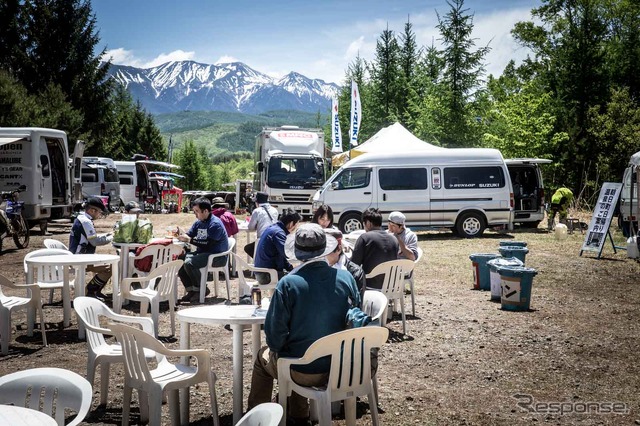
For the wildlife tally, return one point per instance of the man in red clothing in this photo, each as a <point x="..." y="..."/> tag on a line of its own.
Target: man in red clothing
<point x="227" y="218"/>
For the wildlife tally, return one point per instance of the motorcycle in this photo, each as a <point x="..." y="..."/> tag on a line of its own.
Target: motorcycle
<point x="12" y="223"/>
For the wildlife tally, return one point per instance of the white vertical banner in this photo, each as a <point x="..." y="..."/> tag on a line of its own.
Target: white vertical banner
<point x="336" y="133"/>
<point x="356" y="114"/>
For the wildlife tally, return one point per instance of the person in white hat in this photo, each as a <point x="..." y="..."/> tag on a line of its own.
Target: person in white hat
<point x="307" y="304"/>
<point x="407" y="239"/>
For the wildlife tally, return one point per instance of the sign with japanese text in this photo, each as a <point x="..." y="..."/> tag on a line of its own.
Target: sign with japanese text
<point x="601" y="219"/>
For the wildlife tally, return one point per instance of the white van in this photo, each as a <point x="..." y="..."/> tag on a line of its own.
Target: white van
<point x="100" y="177"/>
<point x="629" y="201"/>
<point x="466" y="189"/>
<point x="135" y="184"/>
<point x="528" y="190"/>
<point x="39" y="158"/>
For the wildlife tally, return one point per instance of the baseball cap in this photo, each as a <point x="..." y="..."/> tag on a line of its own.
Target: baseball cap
<point x="262" y="197"/>
<point x="309" y="242"/>
<point x="397" y="218"/>
<point x="96" y="203"/>
<point x="132" y="207"/>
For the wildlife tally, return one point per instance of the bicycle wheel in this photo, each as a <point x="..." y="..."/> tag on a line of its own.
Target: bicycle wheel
<point x="20" y="232"/>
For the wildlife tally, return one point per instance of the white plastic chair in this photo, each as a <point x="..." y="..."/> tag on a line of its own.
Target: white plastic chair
<point x="244" y="282"/>
<point x="349" y="377"/>
<point x="160" y="254"/>
<point x="55" y="244"/>
<point x="267" y="414"/>
<point x="89" y="311"/>
<point x="48" y="277"/>
<point x="165" y="377"/>
<point x="9" y="304"/>
<point x="158" y="286"/>
<point x="54" y="391"/>
<point x="393" y="285"/>
<point x="374" y="304"/>
<point x="410" y="281"/>
<point x="224" y="269"/>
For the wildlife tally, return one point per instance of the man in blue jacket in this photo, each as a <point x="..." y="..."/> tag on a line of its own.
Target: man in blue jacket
<point x="309" y="303"/>
<point x="208" y="235"/>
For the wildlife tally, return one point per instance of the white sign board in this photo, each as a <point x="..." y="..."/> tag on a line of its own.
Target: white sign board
<point x="602" y="215"/>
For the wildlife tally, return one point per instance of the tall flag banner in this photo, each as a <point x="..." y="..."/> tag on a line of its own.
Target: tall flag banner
<point x="356" y="114"/>
<point x="336" y="134"/>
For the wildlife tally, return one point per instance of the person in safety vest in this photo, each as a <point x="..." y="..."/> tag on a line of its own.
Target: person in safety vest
<point x="560" y="201"/>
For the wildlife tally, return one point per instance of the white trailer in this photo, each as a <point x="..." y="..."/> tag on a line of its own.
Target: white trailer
<point x="39" y="158"/>
<point x="290" y="166"/>
<point x="629" y="201"/>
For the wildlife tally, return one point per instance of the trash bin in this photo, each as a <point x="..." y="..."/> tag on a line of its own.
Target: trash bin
<point x="516" y="283"/>
<point x="512" y="251"/>
<point x="513" y="243"/>
<point x="481" y="270"/>
<point x="494" y="276"/>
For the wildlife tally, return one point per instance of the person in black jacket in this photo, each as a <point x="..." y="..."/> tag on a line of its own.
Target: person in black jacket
<point x="339" y="260"/>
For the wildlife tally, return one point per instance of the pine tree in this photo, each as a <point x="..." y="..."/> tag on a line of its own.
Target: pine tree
<point x="409" y="58"/>
<point x="385" y="73"/>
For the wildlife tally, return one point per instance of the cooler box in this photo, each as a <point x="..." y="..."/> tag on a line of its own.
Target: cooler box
<point x="512" y="251"/>
<point x="481" y="280"/>
<point x="516" y="283"/>
<point x="513" y="243"/>
<point x="494" y="276"/>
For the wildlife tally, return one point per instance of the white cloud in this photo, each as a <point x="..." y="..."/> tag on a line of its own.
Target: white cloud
<point x="122" y="56"/>
<point x="225" y="59"/>
<point x="176" y="55"/>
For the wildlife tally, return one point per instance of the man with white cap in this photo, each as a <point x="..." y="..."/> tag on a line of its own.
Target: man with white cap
<point x="407" y="239"/>
<point x="309" y="303"/>
<point x="262" y="217"/>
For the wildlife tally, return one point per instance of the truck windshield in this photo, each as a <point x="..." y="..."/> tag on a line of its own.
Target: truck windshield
<point x="299" y="172"/>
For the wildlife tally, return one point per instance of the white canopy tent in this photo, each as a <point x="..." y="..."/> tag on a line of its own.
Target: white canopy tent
<point x="394" y="138"/>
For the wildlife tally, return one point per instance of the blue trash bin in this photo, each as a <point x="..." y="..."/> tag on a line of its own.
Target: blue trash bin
<point x="513" y="243"/>
<point x="481" y="280"/>
<point x="494" y="276"/>
<point x="512" y="251"/>
<point x="516" y="283"/>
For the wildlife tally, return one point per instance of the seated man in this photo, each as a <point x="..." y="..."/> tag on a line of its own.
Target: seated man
<point x="339" y="260"/>
<point x="407" y="239"/>
<point x="208" y="235"/>
<point x="374" y="246"/>
<point x="262" y="216"/>
<point x="83" y="239"/>
<point x="270" y="252"/>
<point x="226" y="217"/>
<point x="308" y="304"/>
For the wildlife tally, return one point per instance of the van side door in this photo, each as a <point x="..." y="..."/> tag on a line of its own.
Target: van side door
<point x="76" y="173"/>
<point x="44" y="166"/>
<point x="352" y="189"/>
<point x="436" y="200"/>
<point x="405" y="189"/>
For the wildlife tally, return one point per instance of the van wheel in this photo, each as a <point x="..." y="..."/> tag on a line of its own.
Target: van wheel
<point x="351" y="222"/>
<point x="470" y="225"/>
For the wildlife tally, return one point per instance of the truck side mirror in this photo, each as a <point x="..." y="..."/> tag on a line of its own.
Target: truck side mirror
<point x="260" y="166"/>
<point x="335" y="185"/>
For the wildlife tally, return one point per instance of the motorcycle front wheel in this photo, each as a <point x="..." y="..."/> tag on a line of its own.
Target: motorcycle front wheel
<point x="20" y="232"/>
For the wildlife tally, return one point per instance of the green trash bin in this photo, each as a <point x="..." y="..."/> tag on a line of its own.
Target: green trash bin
<point x="494" y="276"/>
<point x="513" y="243"/>
<point x="481" y="280"/>
<point x="512" y="251"/>
<point x="516" y="283"/>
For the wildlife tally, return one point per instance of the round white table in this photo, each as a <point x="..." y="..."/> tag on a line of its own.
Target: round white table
<point x="80" y="262"/>
<point x="20" y="416"/>
<point x="125" y="248"/>
<point x="222" y="314"/>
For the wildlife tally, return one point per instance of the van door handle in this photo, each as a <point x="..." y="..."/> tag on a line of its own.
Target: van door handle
<point x="367" y="193"/>
<point x="384" y="197"/>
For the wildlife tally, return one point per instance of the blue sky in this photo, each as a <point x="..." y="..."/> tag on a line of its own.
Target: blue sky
<point x="316" y="38"/>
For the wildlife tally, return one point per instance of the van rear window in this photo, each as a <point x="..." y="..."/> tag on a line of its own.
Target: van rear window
<point x="126" y="180"/>
<point x="111" y="175"/>
<point x="403" y="179"/>
<point x="473" y="177"/>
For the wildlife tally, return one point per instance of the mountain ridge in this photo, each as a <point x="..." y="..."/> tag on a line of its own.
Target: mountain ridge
<point x="231" y="87"/>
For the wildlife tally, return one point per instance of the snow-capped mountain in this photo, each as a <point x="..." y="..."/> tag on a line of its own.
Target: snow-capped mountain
<point x="188" y="85"/>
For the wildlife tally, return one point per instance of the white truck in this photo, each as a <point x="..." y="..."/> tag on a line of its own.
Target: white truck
<point x="39" y="159"/>
<point x="290" y="166"/>
<point x="629" y="201"/>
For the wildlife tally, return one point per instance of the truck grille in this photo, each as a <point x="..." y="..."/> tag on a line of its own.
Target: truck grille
<point x="297" y="198"/>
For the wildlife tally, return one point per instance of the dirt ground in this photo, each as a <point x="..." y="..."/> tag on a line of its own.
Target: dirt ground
<point x="571" y="359"/>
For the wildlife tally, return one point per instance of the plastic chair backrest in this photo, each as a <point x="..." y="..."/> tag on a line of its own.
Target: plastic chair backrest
<point x="89" y="311"/>
<point x="374" y="303"/>
<point x="163" y="278"/>
<point x="46" y="273"/>
<point x="232" y="244"/>
<point x="266" y="414"/>
<point x="55" y="244"/>
<point x="243" y="266"/>
<point x="53" y="389"/>
<point x="394" y="272"/>
<point x="420" y="253"/>
<point x="160" y="254"/>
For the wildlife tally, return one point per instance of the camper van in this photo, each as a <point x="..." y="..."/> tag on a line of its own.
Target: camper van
<point x="100" y="177"/>
<point x="528" y="190"/>
<point x="135" y="184"/>
<point x="39" y="159"/>
<point x="465" y="189"/>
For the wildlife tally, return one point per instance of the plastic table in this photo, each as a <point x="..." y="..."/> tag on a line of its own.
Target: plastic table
<point x="80" y="263"/>
<point x="221" y="314"/>
<point x="21" y="416"/>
